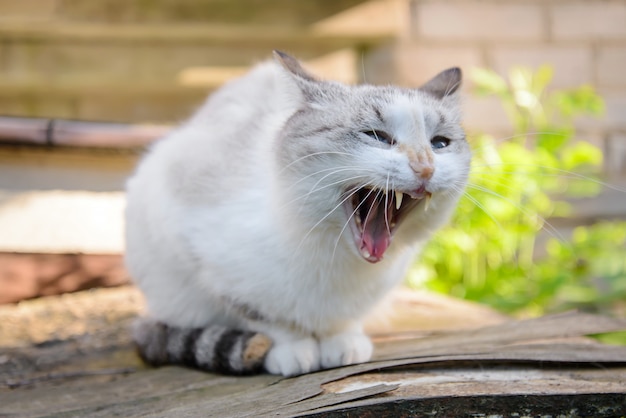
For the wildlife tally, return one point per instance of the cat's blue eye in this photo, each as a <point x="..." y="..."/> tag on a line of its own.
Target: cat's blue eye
<point x="381" y="136"/>
<point x="439" y="142"/>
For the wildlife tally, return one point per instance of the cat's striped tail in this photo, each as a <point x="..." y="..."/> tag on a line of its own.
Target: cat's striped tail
<point x="214" y="348"/>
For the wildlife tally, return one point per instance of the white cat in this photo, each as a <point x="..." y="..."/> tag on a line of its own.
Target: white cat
<point x="263" y="229"/>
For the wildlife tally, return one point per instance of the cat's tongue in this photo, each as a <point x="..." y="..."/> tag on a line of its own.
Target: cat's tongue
<point x="376" y="236"/>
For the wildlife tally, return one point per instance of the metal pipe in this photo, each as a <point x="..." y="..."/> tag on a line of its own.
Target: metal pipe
<point x="68" y="133"/>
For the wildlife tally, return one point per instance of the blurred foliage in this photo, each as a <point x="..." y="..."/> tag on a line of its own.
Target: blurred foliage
<point x="613" y="338"/>
<point x="500" y="248"/>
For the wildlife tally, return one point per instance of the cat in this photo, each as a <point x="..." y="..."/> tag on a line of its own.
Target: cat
<point x="264" y="228"/>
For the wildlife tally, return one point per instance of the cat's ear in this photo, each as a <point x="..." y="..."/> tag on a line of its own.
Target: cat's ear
<point x="444" y="84"/>
<point x="292" y="65"/>
<point x="307" y="87"/>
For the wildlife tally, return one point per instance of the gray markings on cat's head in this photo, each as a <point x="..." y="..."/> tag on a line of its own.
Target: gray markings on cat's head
<point x="364" y="147"/>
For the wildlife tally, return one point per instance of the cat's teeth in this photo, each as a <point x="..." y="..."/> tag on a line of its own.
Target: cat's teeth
<point x="399" y="196"/>
<point x="426" y="201"/>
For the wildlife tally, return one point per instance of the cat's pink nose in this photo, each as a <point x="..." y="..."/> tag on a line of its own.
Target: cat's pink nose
<point x="423" y="170"/>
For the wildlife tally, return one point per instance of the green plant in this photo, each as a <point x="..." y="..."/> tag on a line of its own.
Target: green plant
<point x="501" y="249"/>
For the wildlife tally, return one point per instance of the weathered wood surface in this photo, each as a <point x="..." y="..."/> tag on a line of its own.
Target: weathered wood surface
<point x="80" y="362"/>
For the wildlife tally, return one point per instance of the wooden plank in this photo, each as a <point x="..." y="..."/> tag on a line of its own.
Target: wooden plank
<point x="558" y="326"/>
<point x="607" y="405"/>
<point x="261" y="395"/>
<point x="67" y="317"/>
<point x="95" y="372"/>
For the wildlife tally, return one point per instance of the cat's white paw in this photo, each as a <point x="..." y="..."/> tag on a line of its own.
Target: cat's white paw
<point x="344" y="349"/>
<point x="294" y="358"/>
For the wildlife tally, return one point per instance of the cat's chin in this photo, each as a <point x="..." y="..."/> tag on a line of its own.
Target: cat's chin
<point x="375" y="214"/>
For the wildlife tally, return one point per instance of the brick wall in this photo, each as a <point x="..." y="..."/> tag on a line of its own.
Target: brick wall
<point x="584" y="40"/>
<point x="124" y="74"/>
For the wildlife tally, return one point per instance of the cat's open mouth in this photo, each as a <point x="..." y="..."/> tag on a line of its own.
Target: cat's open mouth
<point x="374" y="215"/>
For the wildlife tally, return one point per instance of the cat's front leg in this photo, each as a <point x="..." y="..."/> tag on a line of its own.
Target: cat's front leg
<point x="291" y="354"/>
<point x="351" y="346"/>
<point x="293" y="358"/>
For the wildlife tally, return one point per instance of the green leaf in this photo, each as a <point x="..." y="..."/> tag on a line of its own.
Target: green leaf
<point x="581" y="153"/>
<point x="542" y="78"/>
<point x="488" y="82"/>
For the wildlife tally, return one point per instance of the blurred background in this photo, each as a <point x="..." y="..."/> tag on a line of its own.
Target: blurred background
<point x="541" y="228"/>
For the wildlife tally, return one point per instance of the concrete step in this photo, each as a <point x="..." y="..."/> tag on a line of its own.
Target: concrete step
<point x="109" y="101"/>
<point x="268" y="12"/>
<point x="154" y="62"/>
<point x="166" y="95"/>
<point x="137" y="72"/>
<point x="61" y="52"/>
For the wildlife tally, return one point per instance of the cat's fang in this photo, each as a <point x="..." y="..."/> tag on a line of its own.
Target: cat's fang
<point x="427" y="201"/>
<point x="399" y="196"/>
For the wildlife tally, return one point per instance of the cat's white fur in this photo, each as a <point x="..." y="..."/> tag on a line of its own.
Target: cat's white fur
<point x="233" y="210"/>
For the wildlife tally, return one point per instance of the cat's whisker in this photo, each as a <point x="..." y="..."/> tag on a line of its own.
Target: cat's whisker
<point x="344" y="180"/>
<point x="552" y="230"/>
<point x="334" y="184"/>
<point x="334" y="170"/>
<point x="490" y="176"/>
<point x="477" y="203"/>
<point x="546" y="226"/>
<point x="354" y="212"/>
<point x="369" y="210"/>
<point x="345" y="225"/>
<point x="341" y="202"/>
<point x="317" y="189"/>
<point x="544" y="222"/>
<point x="314" y="188"/>
<point x="449" y="89"/>
<point x="565" y="173"/>
<point x="387" y="203"/>
<point x="313" y="155"/>
<point x="363" y="67"/>
<point x="522" y="135"/>
<point x="356" y="209"/>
